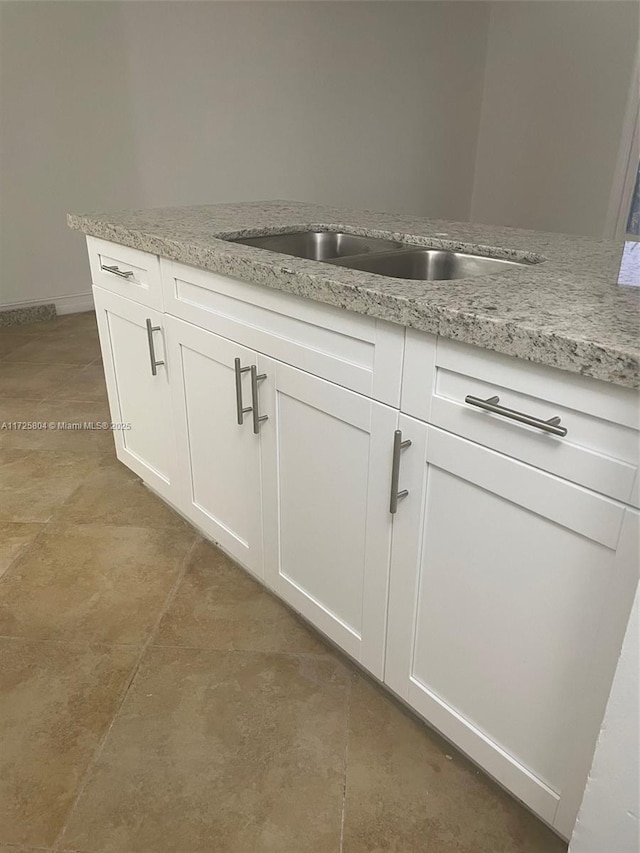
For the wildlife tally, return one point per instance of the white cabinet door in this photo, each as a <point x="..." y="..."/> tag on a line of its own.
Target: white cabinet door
<point x="327" y="456"/>
<point x="508" y="602"/>
<point x="219" y="458"/>
<point x="137" y="375"/>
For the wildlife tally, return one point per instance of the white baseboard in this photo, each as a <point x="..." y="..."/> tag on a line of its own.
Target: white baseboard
<point x="72" y="304"/>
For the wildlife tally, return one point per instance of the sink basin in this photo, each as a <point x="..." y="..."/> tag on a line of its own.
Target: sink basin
<point x="428" y="264"/>
<point x="380" y="257"/>
<point x="320" y="245"/>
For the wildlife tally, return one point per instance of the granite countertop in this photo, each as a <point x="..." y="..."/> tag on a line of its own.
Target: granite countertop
<point x="566" y="312"/>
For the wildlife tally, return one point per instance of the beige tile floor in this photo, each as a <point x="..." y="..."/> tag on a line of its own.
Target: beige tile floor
<point x="155" y="699"/>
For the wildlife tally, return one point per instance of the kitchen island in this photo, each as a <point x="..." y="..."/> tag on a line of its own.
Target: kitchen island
<point x="441" y="476"/>
<point x="567" y="313"/>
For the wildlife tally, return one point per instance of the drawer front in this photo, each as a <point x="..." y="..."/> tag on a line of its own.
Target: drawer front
<point x="600" y="449"/>
<point x="349" y="349"/>
<point x="127" y="272"/>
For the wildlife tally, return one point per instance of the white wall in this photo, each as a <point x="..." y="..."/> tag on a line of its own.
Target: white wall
<point x="608" y="818"/>
<point x="109" y="105"/>
<point x="556" y="86"/>
<point x="65" y="140"/>
<point x="505" y="112"/>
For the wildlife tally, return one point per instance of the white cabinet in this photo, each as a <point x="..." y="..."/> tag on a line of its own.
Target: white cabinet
<point x="509" y="595"/>
<point x="218" y="451"/>
<point x="353" y="350"/>
<point x="299" y="491"/>
<point x="137" y="376"/>
<point x="126" y="272"/>
<point x="327" y="456"/>
<point x="448" y="384"/>
<point x="495" y="600"/>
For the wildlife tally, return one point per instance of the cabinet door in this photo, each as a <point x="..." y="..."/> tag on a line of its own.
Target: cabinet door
<point x="137" y="375"/>
<point x="327" y="471"/>
<point x="219" y="458"/>
<point x="508" y="601"/>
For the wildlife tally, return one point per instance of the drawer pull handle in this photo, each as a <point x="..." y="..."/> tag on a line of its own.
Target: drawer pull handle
<point x="241" y="411"/>
<point x="117" y="271"/>
<point x="491" y="405"/>
<point x="398" y="446"/>
<point x="257" y="417"/>
<point x="152" y="350"/>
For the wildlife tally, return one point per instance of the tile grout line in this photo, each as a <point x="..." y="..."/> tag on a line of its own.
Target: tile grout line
<point x="76" y="644"/>
<point x="24" y="551"/>
<point x="57" y="844"/>
<point x="329" y="653"/>
<point x="89" y="643"/>
<point x="346" y="758"/>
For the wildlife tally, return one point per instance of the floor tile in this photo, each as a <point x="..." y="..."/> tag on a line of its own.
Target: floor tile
<point x="9" y="343"/>
<point x="32" y="330"/>
<point x="409" y="791"/>
<point x="67" y="346"/>
<point x="115" y="495"/>
<point x="33" y="483"/>
<point x="220" y="751"/>
<point x="56" y="703"/>
<point x="61" y="425"/>
<point x="97" y="583"/>
<point x="21" y="849"/>
<point x="87" y="384"/>
<point x="219" y="606"/>
<point x="42" y="327"/>
<point x="33" y="381"/>
<point x="14" y="538"/>
<point x="15" y="415"/>
<point x="85" y="320"/>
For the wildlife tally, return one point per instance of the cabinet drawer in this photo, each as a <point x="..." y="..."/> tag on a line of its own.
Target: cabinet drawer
<point x="600" y="449"/>
<point x="127" y="272"/>
<point x="352" y="350"/>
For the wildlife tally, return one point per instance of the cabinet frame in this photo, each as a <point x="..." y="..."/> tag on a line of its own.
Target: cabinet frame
<point x="395" y="371"/>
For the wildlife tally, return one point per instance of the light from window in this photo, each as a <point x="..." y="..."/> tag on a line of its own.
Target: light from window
<point x="633" y="223"/>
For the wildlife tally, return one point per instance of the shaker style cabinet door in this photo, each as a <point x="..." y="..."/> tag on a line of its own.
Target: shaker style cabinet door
<point x="137" y="373"/>
<point x="508" y="600"/>
<point x="327" y="459"/>
<point x="218" y="450"/>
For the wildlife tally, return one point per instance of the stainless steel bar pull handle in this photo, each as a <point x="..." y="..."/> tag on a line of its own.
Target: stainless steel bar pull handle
<point x="491" y="405"/>
<point x="117" y="271"/>
<point x="241" y="411"/>
<point x="152" y="350"/>
<point x="257" y="417"/>
<point x="398" y="446"/>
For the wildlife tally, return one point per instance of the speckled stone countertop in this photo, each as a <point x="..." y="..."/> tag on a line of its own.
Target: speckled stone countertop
<point x="566" y="312"/>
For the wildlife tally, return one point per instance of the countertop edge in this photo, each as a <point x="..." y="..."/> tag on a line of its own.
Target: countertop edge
<point x="564" y="352"/>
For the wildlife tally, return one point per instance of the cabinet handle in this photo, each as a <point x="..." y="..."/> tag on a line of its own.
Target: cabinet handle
<point x="152" y="351"/>
<point x="491" y="405"/>
<point x="257" y="417"/>
<point x="239" y="408"/>
<point x="117" y="271"/>
<point x="398" y="446"/>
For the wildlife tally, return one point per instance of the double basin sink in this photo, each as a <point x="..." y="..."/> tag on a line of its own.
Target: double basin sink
<point x="380" y="257"/>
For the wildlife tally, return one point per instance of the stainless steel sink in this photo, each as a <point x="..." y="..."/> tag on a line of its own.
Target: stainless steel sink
<point x="380" y="257"/>
<point x="320" y="245"/>
<point x="428" y="264"/>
